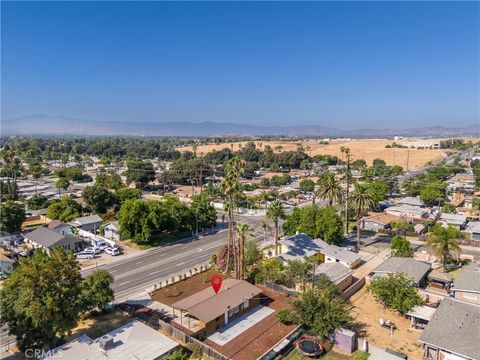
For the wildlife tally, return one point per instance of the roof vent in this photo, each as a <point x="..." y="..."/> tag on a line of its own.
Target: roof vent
<point x="106" y="342"/>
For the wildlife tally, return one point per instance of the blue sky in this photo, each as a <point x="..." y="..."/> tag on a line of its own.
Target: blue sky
<point x="341" y="64"/>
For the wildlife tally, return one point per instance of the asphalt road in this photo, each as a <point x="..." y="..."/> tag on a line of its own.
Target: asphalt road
<point x="136" y="274"/>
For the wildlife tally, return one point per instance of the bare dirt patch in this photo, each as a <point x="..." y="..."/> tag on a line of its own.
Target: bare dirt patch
<point x="367" y="150"/>
<point x="367" y="312"/>
<point x="100" y="324"/>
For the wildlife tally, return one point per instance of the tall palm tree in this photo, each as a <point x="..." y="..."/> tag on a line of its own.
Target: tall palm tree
<point x="244" y="232"/>
<point x="275" y="212"/>
<point x="329" y="188"/>
<point x="361" y="200"/>
<point x="444" y="242"/>
<point x="264" y="226"/>
<point x="264" y="196"/>
<point x="231" y="187"/>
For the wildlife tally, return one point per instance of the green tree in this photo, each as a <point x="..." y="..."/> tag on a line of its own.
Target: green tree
<point x="444" y="242"/>
<point x="203" y="209"/>
<point x="449" y="208"/>
<point x="98" y="198"/>
<point x="39" y="300"/>
<point x="62" y="183"/>
<point x="96" y="292"/>
<point x="361" y="200"/>
<point x="329" y="188"/>
<point x="275" y="212"/>
<point x="270" y="270"/>
<point x="396" y="292"/>
<point x="253" y="255"/>
<point x="299" y="272"/>
<point x="139" y="172"/>
<point x="134" y="220"/>
<point x="177" y="355"/>
<point x="125" y="193"/>
<point x="319" y="310"/>
<point x="401" y="247"/>
<point x="378" y="190"/>
<point x="433" y="194"/>
<point x="244" y="232"/>
<point x="64" y="210"/>
<point x="37" y="202"/>
<point x="401" y="226"/>
<point x="12" y="215"/>
<point x="329" y="225"/>
<point x="109" y="180"/>
<point x="307" y="185"/>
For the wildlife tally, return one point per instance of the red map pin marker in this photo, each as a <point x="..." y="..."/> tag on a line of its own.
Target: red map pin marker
<point x="216" y="282"/>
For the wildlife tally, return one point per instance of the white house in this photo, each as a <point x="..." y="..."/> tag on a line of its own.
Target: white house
<point x="112" y="230"/>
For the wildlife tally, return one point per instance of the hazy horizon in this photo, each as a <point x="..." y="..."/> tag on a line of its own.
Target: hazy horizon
<point x="347" y="65"/>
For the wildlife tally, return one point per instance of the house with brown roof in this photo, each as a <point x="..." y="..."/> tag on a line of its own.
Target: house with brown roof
<point x="377" y="221"/>
<point x="205" y="312"/>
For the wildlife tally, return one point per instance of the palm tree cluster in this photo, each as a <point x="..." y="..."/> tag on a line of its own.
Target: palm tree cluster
<point x="275" y="212"/>
<point x="329" y="188"/>
<point x="231" y="188"/>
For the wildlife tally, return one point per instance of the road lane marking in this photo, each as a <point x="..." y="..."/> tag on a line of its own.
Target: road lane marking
<point x="155" y="272"/>
<point x="180" y="264"/>
<point x="123" y="283"/>
<point x="139" y="262"/>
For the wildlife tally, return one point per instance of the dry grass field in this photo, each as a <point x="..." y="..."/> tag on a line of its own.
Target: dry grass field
<point x="366" y="149"/>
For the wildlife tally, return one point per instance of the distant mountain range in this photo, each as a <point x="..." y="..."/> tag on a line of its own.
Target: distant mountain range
<point x="40" y="124"/>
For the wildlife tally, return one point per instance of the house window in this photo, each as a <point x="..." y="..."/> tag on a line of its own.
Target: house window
<point x="233" y="312"/>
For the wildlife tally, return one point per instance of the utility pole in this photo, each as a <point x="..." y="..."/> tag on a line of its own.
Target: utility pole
<point x="408" y="157"/>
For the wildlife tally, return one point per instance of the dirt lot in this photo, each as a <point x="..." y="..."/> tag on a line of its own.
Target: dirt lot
<point x="101" y="324"/>
<point x="361" y="149"/>
<point x="367" y="312"/>
<point x="180" y="290"/>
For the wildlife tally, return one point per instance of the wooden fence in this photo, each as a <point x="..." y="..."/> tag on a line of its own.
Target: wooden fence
<point x="352" y="289"/>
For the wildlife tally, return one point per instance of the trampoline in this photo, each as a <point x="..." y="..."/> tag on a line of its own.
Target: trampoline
<point x="309" y="347"/>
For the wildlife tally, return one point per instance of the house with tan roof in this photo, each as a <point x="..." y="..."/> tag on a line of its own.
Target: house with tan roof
<point x="205" y="312"/>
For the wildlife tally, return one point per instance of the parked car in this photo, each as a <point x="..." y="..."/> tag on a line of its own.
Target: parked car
<point x="102" y="245"/>
<point x="2" y="276"/>
<point x="112" y="251"/>
<point x="93" y="249"/>
<point x="83" y="255"/>
<point x="352" y="249"/>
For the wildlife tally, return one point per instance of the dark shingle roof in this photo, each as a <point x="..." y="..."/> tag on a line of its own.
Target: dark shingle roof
<point x="455" y="327"/>
<point x="413" y="269"/>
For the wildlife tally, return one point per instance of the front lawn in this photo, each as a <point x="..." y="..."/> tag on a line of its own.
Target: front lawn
<point x="157" y="240"/>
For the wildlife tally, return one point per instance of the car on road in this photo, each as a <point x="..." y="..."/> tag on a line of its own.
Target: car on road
<point x="83" y="255"/>
<point x="112" y="251"/>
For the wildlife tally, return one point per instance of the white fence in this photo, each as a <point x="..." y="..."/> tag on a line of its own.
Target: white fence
<point x="95" y="237"/>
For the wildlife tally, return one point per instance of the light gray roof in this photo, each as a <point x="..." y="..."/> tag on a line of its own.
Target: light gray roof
<point x="411" y="200"/>
<point x="454" y="219"/>
<point x="418" y="227"/>
<point x="115" y="224"/>
<point x="441" y="276"/>
<point x="468" y="280"/>
<point x="406" y="209"/>
<point x="341" y="254"/>
<point x="455" y="327"/>
<point x="336" y="272"/>
<point x="48" y="238"/>
<point x="87" y="220"/>
<point x="413" y="269"/>
<point x="300" y="246"/>
<point x="131" y="341"/>
<point x="422" y="312"/>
